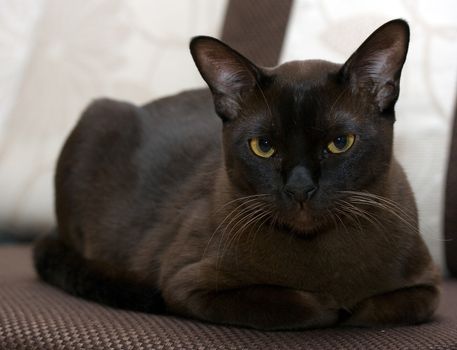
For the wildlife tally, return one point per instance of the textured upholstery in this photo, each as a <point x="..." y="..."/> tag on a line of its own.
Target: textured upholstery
<point x="36" y="316"/>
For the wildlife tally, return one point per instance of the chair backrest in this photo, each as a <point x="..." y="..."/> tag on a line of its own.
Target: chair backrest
<point x="256" y="28"/>
<point x="450" y="210"/>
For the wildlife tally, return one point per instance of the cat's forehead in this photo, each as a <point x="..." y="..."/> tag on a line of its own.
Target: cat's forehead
<point x="313" y="72"/>
<point x="304" y="92"/>
<point x="305" y="85"/>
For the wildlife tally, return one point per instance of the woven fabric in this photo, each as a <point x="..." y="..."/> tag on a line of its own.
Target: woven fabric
<point x="36" y="316"/>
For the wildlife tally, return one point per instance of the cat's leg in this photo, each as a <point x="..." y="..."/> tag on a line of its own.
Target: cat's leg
<point x="257" y="306"/>
<point x="400" y="307"/>
<point x="267" y="307"/>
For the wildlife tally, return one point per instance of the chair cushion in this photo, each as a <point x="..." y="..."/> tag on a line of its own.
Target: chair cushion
<point x="37" y="316"/>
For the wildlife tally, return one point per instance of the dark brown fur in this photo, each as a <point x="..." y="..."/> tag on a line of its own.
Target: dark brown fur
<point x="152" y="200"/>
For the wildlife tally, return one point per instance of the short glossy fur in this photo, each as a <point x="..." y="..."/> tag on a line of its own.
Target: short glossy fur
<point x="165" y="207"/>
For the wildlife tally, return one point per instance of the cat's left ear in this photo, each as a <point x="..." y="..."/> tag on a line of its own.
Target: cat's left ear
<point x="375" y="67"/>
<point x="229" y="75"/>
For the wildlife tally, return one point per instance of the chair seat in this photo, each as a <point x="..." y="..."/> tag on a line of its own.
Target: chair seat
<point x="34" y="315"/>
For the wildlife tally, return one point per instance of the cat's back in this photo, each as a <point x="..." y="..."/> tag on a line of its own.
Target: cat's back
<point x="121" y="163"/>
<point x="178" y="132"/>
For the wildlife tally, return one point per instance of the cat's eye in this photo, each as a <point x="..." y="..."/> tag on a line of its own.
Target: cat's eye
<point x="341" y="144"/>
<point x="261" y="147"/>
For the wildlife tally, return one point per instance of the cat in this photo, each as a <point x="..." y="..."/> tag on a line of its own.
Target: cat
<point x="289" y="211"/>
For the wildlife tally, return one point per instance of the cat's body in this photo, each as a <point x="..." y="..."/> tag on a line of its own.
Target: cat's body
<point x="154" y="197"/>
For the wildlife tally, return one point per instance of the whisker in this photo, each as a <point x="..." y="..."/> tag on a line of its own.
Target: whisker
<point x="243" y="213"/>
<point x="408" y="216"/>
<point x="368" y="195"/>
<point x="253" y="196"/>
<point x="242" y="217"/>
<point x="406" y="220"/>
<point x="241" y="224"/>
<point x="341" y="221"/>
<point x="251" y="223"/>
<point x="264" y="220"/>
<point x="343" y="205"/>
<point x="368" y="216"/>
<point x="354" y="215"/>
<point x="247" y="200"/>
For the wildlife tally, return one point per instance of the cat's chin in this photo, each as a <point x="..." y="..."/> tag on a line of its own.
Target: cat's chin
<point x="300" y="231"/>
<point x="302" y="225"/>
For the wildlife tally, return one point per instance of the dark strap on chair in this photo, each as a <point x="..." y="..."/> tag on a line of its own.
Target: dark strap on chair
<point x="256" y="28"/>
<point x="450" y="213"/>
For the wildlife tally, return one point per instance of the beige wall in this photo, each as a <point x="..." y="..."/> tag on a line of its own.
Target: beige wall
<point x="57" y="55"/>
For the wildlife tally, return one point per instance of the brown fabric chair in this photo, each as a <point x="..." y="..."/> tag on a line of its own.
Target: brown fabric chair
<point x="34" y="315"/>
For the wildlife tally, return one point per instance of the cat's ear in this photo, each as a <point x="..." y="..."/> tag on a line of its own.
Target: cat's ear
<point x="229" y="75"/>
<point x="375" y="67"/>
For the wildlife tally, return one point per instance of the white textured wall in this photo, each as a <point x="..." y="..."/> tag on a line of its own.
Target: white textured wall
<point x="57" y="55"/>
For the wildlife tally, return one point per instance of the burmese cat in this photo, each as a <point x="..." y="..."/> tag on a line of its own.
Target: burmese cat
<point x="296" y="216"/>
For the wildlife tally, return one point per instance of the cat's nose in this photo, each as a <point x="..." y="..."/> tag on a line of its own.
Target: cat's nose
<point x="300" y="185"/>
<point x="301" y="194"/>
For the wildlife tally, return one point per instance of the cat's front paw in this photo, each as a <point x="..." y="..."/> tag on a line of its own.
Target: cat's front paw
<point x="400" y="307"/>
<point x="274" y="308"/>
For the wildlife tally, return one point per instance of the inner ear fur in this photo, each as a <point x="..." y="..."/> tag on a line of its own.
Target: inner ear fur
<point x="375" y="67"/>
<point x="229" y="75"/>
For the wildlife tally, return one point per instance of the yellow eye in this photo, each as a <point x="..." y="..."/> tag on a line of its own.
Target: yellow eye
<point x="261" y="147"/>
<point x="341" y="144"/>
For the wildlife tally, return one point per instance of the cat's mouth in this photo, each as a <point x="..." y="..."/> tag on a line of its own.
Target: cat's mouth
<point x="303" y="232"/>
<point x="302" y="224"/>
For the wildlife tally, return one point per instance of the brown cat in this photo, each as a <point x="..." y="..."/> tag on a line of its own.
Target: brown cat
<point x="299" y="216"/>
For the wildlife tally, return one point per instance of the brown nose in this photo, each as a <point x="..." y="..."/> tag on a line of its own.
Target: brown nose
<point x="301" y="194"/>
<point x="300" y="186"/>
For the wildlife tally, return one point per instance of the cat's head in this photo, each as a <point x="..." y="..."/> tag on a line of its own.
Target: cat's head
<point x="306" y="131"/>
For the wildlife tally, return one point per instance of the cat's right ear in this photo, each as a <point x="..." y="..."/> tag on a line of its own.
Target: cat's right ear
<point x="375" y="67"/>
<point x="229" y="75"/>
